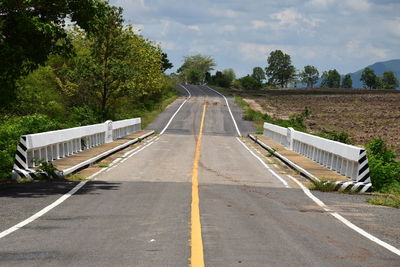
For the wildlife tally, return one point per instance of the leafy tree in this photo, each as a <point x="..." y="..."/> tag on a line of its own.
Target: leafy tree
<point x="309" y="75"/>
<point x="258" y="74"/>
<point x="280" y="69"/>
<point x="389" y="80"/>
<point x="111" y="62"/>
<point x="249" y="82"/>
<point x="166" y="64"/>
<point x="330" y="79"/>
<point x="347" y="81"/>
<point x="369" y="79"/>
<point x="229" y="74"/>
<point x="198" y="63"/>
<point x="194" y="77"/>
<point x="31" y="30"/>
<point x="221" y="79"/>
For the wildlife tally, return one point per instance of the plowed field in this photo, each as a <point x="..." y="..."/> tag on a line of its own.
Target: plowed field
<point x="364" y="114"/>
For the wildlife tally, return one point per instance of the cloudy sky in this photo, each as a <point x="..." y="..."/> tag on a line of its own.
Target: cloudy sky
<point x="343" y="34"/>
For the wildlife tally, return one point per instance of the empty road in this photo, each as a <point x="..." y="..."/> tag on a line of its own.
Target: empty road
<point x="195" y="194"/>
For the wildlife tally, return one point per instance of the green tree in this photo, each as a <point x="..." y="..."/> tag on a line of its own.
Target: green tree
<point x="166" y="64"/>
<point x="389" y="80"/>
<point x="330" y="79"/>
<point x="194" y="77"/>
<point x="309" y="75"/>
<point x="229" y="74"/>
<point x="198" y="63"/>
<point x="248" y="82"/>
<point x="369" y="79"/>
<point x="221" y="79"/>
<point x="280" y="69"/>
<point x="258" y="74"/>
<point x="111" y="62"/>
<point x="32" y="30"/>
<point x="347" y="81"/>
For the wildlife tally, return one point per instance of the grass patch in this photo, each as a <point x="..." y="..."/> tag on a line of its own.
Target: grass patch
<point x="75" y="177"/>
<point x="103" y="165"/>
<point x="295" y="121"/>
<point x="390" y="200"/>
<point x="323" y="186"/>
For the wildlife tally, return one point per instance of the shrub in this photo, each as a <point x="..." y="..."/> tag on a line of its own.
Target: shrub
<point x="248" y="82"/>
<point x="10" y="131"/>
<point x="384" y="170"/>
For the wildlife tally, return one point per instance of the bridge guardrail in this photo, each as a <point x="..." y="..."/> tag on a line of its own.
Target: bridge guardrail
<point x="49" y="146"/>
<point x="348" y="160"/>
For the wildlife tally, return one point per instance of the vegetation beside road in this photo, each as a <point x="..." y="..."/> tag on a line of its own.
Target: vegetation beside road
<point x="384" y="169"/>
<point x="97" y="69"/>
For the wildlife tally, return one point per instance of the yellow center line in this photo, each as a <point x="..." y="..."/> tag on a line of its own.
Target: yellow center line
<point x="196" y="241"/>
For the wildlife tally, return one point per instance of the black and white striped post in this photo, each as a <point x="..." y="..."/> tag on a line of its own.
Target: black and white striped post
<point x="363" y="168"/>
<point x="21" y="168"/>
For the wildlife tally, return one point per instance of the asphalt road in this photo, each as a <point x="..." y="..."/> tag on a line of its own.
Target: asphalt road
<point x="139" y="213"/>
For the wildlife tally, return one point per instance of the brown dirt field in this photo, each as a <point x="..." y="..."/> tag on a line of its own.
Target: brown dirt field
<point x="364" y="114"/>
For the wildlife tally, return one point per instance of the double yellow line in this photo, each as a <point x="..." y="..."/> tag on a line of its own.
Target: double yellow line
<point x="196" y="241"/>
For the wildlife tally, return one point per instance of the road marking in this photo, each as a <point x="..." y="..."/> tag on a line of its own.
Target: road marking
<point x="196" y="240"/>
<point x="43" y="211"/>
<point x="176" y="112"/>
<point x="82" y="183"/>
<point x="264" y="164"/>
<point x="229" y="109"/>
<point x="344" y="220"/>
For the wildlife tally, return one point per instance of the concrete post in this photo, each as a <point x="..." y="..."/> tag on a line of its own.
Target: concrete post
<point x="109" y="132"/>
<point x="290" y="137"/>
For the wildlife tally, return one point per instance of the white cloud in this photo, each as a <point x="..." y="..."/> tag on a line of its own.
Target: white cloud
<point x="225" y="13"/>
<point x="358" y="49"/>
<point x="362" y="5"/>
<point x="258" y="24"/>
<point x="252" y="51"/>
<point x="228" y="28"/>
<point x="165" y="27"/>
<point x="193" y="27"/>
<point x="320" y="3"/>
<point x="169" y="45"/>
<point x="289" y="18"/>
<point x="393" y="26"/>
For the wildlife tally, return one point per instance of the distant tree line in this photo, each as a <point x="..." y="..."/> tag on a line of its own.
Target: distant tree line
<point x="279" y="73"/>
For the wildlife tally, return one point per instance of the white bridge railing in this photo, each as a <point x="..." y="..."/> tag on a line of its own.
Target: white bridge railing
<point x="49" y="146"/>
<point x="348" y="160"/>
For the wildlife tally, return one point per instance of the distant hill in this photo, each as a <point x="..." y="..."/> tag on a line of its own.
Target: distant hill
<point x="379" y="68"/>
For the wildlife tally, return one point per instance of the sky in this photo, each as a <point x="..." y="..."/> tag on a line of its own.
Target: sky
<point x="346" y="35"/>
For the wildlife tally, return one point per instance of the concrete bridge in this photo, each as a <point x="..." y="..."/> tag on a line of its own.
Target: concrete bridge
<point x="195" y="192"/>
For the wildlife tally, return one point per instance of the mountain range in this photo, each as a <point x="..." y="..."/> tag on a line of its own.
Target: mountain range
<point x="379" y="68"/>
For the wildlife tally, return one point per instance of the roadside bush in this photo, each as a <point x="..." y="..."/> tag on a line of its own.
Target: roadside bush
<point x="384" y="169"/>
<point x="248" y="82"/>
<point x="10" y="131"/>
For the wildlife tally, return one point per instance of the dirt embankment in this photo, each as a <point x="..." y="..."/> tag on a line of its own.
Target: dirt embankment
<point x="364" y="114"/>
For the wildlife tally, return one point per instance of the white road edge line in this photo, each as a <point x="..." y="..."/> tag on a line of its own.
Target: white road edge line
<point x="43" y="211"/>
<point x="82" y="183"/>
<point x="176" y="112"/>
<point x="264" y="164"/>
<point x="344" y="220"/>
<point x="229" y="108"/>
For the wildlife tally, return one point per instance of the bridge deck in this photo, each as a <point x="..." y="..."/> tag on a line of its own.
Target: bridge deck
<point x="70" y="161"/>
<point x="316" y="169"/>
